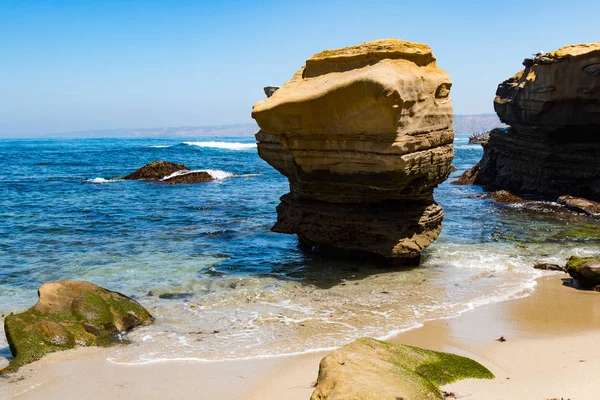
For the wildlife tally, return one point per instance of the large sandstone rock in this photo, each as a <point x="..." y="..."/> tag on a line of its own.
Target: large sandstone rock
<point x="70" y="314"/>
<point x="552" y="147"/>
<point x="368" y="369"/>
<point x="364" y="134"/>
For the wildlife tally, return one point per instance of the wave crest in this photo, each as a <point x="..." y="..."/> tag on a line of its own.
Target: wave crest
<point x="223" y="145"/>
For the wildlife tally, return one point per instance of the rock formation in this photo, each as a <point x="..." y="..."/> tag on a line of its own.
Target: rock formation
<point x="479" y="138"/>
<point x="368" y="369"/>
<point x="69" y="314"/>
<point x="169" y="172"/>
<point x="581" y="205"/>
<point x="364" y="134"/>
<point x="552" y="147"/>
<point x="585" y="270"/>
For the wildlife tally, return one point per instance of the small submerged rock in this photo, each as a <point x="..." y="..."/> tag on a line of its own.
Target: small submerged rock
<point x="503" y="196"/>
<point x="70" y="314"/>
<point x="549" y="267"/>
<point x="582" y="205"/>
<point x="369" y="369"/>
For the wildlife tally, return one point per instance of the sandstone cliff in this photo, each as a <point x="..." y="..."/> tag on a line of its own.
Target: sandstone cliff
<point x="552" y="147"/>
<point x="364" y="134"/>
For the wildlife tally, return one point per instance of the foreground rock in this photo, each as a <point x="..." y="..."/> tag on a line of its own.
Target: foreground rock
<point x="585" y="270"/>
<point x="364" y="134"/>
<point x="368" y="369"/>
<point x="582" y="205"/>
<point x="552" y="147"/>
<point x="70" y="314"/>
<point x="169" y="172"/>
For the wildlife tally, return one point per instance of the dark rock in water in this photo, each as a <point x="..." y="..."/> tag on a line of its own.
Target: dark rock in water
<point x="70" y="314"/>
<point x="369" y="369"/>
<point x="175" y="296"/>
<point x="190" y="177"/>
<point x="156" y="171"/>
<point x="503" y="196"/>
<point x="582" y="205"/>
<point x="468" y="177"/>
<point x="552" y="147"/>
<point x="479" y="138"/>
<point x="549" y="267"/>
<point x="362" y="149"/>
<point x="585" y="270"/>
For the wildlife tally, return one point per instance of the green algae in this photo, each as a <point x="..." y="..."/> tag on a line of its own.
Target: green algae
<point x="370" y="369"/>
<point x="93" y="317"/>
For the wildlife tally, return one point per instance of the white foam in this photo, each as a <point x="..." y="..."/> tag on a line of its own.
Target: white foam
<point x="162" y="146"/>
<point x="223" y="145"/>
<point x="102" y="180"/>
<point x="215" y="173"/>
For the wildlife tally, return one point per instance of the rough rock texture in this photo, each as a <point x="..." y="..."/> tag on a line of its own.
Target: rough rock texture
<point x="503" y="196"/>
<point x="582" y="205"/>
<point x="552" y="147"/>
<point x="549" y="267"/>
<point x="156" y="171"/>
<point x="70" y="314"/>
<point x="364" y="134"/>
<point x="169" y="172"/>
<point x="269" y="90"/>
<point x="479" y="138"/>
<point x="585" y="270"/>
<point x="368" y="369"/>
<point x="189" y="177"/>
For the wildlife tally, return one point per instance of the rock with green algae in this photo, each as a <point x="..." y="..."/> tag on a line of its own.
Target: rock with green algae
<point x="70" y="314"/>
<point x="369" y="369"/>
<point x="585" y="270"/>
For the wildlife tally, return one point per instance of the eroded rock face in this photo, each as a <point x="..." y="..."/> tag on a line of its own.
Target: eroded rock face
<point x="70" y="314"/>
<point x="364" y="134"/>
<point x="369" y="369"/>
<point x="552" y="147"/>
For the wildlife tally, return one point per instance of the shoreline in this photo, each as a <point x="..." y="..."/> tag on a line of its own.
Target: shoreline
<point x="536" y="328"/>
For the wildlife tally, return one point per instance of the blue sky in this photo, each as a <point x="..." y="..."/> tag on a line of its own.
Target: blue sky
<point x="83" y="65"/>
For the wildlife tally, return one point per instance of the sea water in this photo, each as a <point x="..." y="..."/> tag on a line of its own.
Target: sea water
<point x="202" y="260"/>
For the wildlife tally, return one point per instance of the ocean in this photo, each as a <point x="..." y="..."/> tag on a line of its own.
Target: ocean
<point x="202" y="260"/>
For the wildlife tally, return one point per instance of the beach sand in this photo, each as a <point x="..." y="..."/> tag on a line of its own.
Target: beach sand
<point x="552" y="339"/>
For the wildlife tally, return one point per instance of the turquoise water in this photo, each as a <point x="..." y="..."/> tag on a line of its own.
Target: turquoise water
<point x="65" y="214"/>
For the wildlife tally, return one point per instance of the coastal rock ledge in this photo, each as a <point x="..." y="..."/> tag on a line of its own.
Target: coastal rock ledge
<point x="552" y="147"/>
<point x="363" y="134"/>
<point x="70" y="314"/>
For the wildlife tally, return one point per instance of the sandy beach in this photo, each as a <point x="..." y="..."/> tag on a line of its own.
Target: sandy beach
<point x="550" y="335"/>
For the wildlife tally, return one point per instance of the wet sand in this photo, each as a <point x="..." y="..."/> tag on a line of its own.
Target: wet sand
<point x="552" y="338"/>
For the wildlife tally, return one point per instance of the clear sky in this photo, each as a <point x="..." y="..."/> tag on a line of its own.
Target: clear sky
<point x="83" y="65"/>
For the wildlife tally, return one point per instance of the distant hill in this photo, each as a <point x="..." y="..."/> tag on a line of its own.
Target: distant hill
<point x="463" y="125"/>
<point x="173" y="131"/>
<point x="469" y="124"/>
